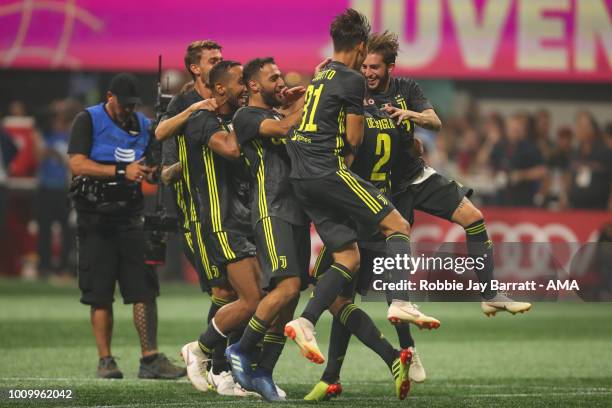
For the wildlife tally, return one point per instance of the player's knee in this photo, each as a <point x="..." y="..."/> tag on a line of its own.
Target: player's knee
<point x="394" y="223"/>
<point x="349" y="258"/>
<point x="472" y="216"/>
<point x="102" y="306"/>
<point x="224" y="293"/>
<point x="339" y="304"/>
<point x="291" y="289"/>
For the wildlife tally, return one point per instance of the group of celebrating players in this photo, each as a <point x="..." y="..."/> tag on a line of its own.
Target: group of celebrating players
<point x="251" y="163"/>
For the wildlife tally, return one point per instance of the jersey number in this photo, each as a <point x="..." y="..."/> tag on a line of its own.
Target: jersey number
<point x="383" y="149"/>
<point x="312" y="95"/>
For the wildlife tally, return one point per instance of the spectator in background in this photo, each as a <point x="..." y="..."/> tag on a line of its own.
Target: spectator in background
<point x="558" y="165"/>
<point x="590" y="167"/>
<point x="17" y="108"/>
<point x="493" y="133"/>
<point x="542" y="133"/>
<point x="608" y="135"/>
<point x="50" y="203"/>
<point x="518" y="163"/>
<point x="8" y="150"/>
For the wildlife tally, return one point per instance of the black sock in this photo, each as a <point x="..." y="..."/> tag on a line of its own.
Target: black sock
<point x="253" y="334"/>
<point x="362" y="326"/>
<point x="328" y="288"/>
<point x="398" y="244"/>
<point x="404" y="336"/>
<point x="215" y="304"/>
<point x="211" y="338"/>
<point x="480" y="246"/>
<point x="339" y="339"/>
<point x="403" y="333"/>
<point x="219" y="362"/>
<point x="273" y="344"/>
<point x="235" y="336"/>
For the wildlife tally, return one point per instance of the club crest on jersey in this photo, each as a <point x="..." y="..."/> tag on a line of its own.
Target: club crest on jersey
<point x="125" y="155"/>
<point x="283" y="262"/>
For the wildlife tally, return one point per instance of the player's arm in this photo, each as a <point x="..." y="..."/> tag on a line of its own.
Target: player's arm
<point x="225" y="144"/>
<point x="421" y="111"/>
<point x="170" y="126"/>
<point x="353" y="93"/>
<point x="171" y="174"/>
<point x="280" y="128"/>
<point x="427" y="119"/>
<point x="354" y="130"/>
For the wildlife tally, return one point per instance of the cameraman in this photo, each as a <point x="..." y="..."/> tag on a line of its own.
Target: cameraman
<point x="106" y="148"/>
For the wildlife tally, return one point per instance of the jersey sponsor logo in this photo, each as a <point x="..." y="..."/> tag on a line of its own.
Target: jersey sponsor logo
<point x="125" y="155"/>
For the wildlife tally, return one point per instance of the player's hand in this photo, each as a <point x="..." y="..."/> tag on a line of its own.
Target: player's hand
<point x="398" y="114"/>
<point x="290" y="95"/>
<point x="322" y="65"/>
<point x="207" y="104"/>
<point x="137" y="171"/>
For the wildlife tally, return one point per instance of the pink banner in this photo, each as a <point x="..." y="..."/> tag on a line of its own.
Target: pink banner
<point x="479" y="39"/>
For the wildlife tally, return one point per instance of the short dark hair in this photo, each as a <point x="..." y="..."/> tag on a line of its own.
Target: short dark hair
<point x="194" y="52"/>
<point x="349" y="29"/>
<point x="218" y="73"/>
<point x="385" y="44"/>
<point x="253" y="67"/>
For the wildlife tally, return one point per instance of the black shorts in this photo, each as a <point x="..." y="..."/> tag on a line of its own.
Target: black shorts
<point x="111" y="251"/>
<point x="209" y="274"/>
<point x="363" y="279"/>
<point x="437" y="195"/>
<point x="283" y="251"/>
<point x="225" y="247"/>
<point x="337" y="201"/>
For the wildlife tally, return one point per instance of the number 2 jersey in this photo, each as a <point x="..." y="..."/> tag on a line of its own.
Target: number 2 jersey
<point x="380" y="151"/>
<point x="316" y="146"/>
<point x="403" y="93"/>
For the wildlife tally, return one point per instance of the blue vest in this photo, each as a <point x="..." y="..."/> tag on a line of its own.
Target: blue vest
<point x="113" y="144"/>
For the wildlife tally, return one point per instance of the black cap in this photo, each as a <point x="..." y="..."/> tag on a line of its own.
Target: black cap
<point x="125" y="87"/>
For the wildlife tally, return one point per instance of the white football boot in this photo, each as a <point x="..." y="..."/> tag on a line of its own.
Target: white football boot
<point x="401" y="311"/>
<point x="197" y="365"/>
<point x="223" y="383"/>
<point x="500" y="303"/>
<point x="416" y="370"/>
<point x="301" y="331"/>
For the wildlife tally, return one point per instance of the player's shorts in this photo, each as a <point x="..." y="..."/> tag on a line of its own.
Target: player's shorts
<point x="283" y="251"/>
<point x="335" y="202"/>
<point x="363" y="279"/>
<point x="225" y="247"/>
<point x="209" y="274"/>
<point x="437" y="195"/>
<point x="112" y="250"/>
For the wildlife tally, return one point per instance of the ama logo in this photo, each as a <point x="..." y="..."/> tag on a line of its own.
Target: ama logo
<point x="125" y="155"/>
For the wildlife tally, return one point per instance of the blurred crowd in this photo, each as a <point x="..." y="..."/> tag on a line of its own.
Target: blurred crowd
<point x="519" y="160"/>
<point x="514" y="160"/>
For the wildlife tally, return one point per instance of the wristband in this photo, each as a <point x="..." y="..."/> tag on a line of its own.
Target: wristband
<point x="120" y="171"/>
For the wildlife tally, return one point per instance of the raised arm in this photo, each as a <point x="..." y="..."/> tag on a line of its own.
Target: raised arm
<point x="170" y="126"/>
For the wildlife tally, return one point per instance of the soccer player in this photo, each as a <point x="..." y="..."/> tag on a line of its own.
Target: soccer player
<point x="199" y="59"/>
<point x="331" y="195"/>
<point x="418" y="186"/>
<point x="211" y="157"/>
<point x="373" y="162"/>
<point x="282" y="232"/>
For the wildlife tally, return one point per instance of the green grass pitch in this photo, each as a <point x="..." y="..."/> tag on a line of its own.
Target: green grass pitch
<point x="559" y="354"/>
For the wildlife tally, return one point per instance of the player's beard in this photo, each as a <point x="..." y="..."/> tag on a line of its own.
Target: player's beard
<point x="270" y="99"/>
<point x="382" y="83"/>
